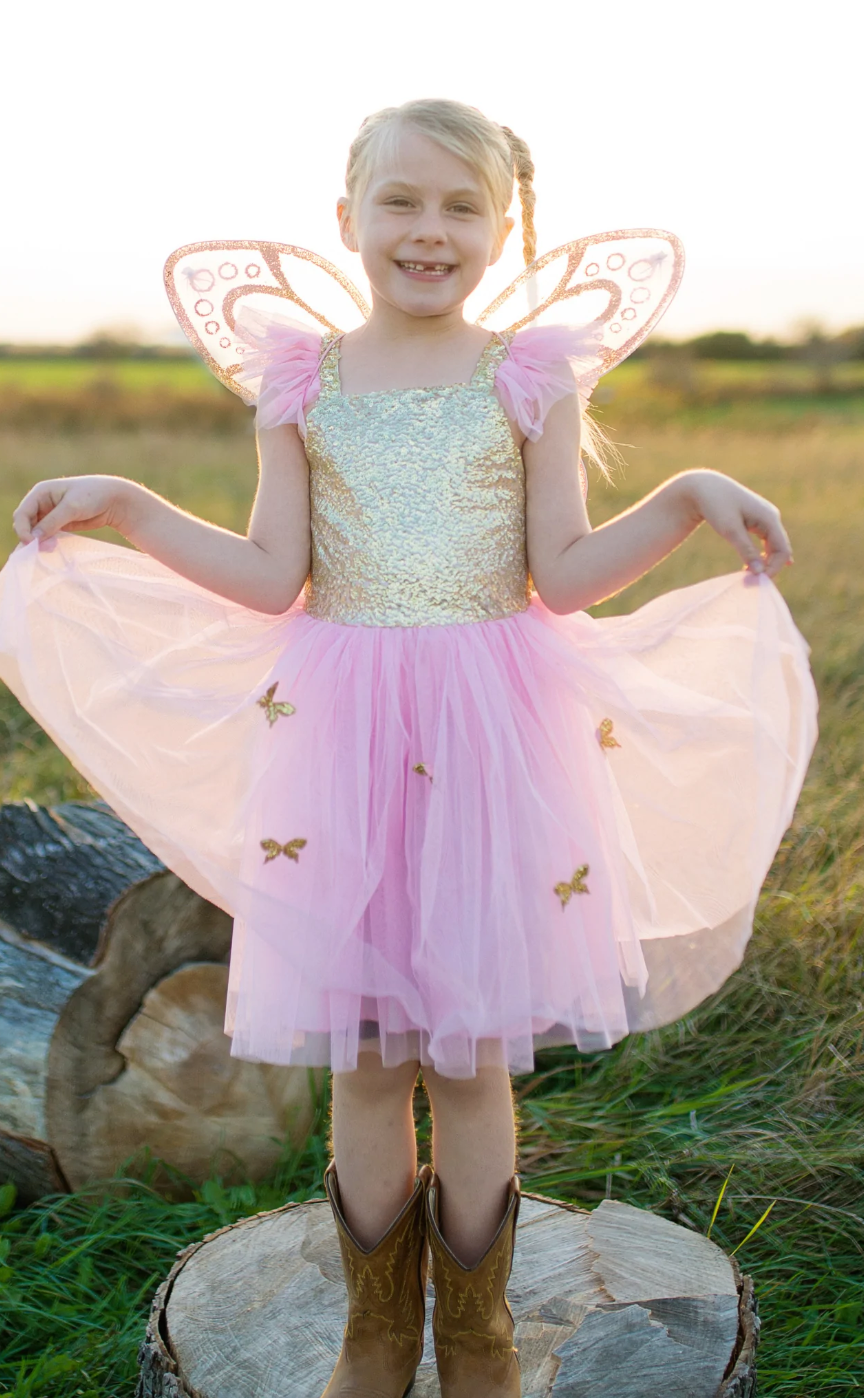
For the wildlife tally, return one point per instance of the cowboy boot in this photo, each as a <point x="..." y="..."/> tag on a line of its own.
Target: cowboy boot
<point x="383" y="1342"/>
<point x="472" y="1322"/>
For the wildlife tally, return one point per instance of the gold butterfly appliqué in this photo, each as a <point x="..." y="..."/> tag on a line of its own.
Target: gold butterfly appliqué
<point x="605" y="736"/>
<point x="577" y="884"/>
<point x="272" y="850"/>
<point x="422" y="770"/>
<point x="272" y="708"/>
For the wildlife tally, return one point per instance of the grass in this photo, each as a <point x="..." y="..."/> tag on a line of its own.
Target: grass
<point x="86" y="395"/>
<point x="768" y="1076"/>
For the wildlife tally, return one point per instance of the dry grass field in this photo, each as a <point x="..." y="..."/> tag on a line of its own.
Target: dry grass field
<point x="768" y="1077"/>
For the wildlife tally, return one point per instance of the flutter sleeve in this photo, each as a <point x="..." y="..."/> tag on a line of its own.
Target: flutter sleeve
<point x="545" y="363"/>
<point x="280" y="368"/>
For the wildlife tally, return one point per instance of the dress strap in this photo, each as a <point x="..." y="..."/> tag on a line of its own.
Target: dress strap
<point x="494" y="354"/>
<point x="328" y="367"/>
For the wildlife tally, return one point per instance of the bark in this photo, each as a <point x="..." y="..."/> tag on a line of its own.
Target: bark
<point x="62" y="867"/>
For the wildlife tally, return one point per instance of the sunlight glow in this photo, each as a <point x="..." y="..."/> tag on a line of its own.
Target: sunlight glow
<point x="142" y="128"/>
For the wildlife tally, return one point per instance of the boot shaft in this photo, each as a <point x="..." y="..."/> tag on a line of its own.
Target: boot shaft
<point x="383" y="1342"/>
<point x="472" y="1322"/>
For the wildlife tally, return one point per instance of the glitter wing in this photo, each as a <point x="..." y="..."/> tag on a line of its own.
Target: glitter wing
<point x="208" y="282"/>
<point x="617" y="285"/>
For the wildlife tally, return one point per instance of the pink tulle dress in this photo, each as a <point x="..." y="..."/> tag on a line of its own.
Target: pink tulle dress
<point x="450" y="826"/>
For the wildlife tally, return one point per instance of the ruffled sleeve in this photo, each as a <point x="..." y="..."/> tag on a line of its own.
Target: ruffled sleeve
<point x="545" y="363"/>
<point x="280" y="369"/>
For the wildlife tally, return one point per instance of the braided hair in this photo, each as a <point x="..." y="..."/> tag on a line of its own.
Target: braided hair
<point x="523" y="173"/>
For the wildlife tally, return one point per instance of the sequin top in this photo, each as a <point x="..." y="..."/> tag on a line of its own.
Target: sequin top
<point x="418" y="503"/>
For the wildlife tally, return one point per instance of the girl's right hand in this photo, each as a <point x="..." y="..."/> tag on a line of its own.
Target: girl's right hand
<point x="71" y="502"/>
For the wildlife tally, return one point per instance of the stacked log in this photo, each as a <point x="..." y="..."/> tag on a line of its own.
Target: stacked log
<point x="113" y="978"/>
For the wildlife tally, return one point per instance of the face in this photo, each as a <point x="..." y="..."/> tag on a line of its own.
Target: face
<point x="424" y="228"/>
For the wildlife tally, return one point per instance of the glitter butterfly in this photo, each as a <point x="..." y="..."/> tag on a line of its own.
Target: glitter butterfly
<point x="272" y="850"/>
<point x="577" y="884"/>
<point x="605" y="736"/>
<point x="422" y="770"/>
<point x="273" y="709"/>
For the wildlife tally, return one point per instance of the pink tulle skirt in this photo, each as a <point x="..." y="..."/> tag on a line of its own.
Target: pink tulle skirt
<point x="451" y="843"/>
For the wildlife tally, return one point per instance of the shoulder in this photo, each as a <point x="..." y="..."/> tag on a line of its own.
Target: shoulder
<point x="276" y="337"/>
<point x="280" y="369"/>
<point x="543" y="364"/>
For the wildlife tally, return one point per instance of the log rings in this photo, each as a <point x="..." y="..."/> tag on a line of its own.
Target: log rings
<point x="615" y="1303"/>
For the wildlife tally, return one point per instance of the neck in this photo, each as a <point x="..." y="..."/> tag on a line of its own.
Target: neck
<point x="388" y="322"/>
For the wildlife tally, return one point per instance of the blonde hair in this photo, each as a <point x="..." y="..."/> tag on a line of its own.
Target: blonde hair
<point x="498" y="156"/>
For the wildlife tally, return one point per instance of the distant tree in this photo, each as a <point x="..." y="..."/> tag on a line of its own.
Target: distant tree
<point x="735" y="344"/>
<point x="852" y="342"/>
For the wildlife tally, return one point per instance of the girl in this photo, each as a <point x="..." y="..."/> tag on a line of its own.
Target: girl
<point x="452" y="819"/>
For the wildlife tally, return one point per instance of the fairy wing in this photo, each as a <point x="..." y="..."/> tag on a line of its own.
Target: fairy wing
<point x="616" y="285"/>
<point x="207" y="283"/>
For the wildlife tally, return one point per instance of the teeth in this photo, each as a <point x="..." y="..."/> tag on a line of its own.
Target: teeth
<point x="439" y="267"/>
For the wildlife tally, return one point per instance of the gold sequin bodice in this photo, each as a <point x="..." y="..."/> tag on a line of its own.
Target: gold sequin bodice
<point x="418" y="503"/>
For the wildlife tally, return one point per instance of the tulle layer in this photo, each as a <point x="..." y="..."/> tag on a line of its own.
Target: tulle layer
<point x="451" y="843"/>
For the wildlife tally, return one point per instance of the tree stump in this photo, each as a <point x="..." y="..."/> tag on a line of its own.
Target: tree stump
<point x="616" y="1303"/>
<point x="112" y="1000"/>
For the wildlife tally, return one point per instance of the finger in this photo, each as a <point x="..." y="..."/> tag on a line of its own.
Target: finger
<point x="37" y="503"/>
<point x="740" y="539"/>
<point x="778" y="547"/>
<point x="50" y="524"/>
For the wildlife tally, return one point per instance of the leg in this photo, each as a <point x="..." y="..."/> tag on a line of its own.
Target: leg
<point x="474" y="1154"/>
<point x="472" y="1208"/>
<point x="379" y="1208"/>
<point x="374" y="1144"/>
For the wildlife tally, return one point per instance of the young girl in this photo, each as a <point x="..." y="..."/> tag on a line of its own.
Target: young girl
<point x="452" y="819"/>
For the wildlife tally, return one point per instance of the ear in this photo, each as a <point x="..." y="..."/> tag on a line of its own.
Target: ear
<point x="346" y="228"/>
<point x="499" y="245"/>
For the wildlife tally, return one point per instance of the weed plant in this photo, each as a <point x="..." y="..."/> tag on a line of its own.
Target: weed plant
<point x="765" y="1080"/>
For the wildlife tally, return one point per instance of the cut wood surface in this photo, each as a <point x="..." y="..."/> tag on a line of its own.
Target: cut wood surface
<point x="616" y="1303"/>
<point x="111" y="1034"/>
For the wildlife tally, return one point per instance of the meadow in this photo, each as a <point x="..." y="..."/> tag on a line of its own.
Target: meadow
<point x="765" y="1080"/>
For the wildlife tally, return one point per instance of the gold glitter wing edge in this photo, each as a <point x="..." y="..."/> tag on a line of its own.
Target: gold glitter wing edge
<point x="205" y="282"/>
<point x="637" y="271"/>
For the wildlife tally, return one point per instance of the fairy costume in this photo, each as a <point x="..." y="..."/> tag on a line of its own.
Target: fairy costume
<point x="449" y="824"/>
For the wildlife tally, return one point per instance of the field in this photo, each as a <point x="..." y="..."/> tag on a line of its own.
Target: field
<point x="766" y="1080"/>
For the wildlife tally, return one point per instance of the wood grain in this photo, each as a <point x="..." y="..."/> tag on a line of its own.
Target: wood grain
<point x="99" y="1061"/>
<point x="611" y="1304"/>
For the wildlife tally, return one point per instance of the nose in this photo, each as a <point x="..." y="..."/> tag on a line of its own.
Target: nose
<point x="429" y="226"/>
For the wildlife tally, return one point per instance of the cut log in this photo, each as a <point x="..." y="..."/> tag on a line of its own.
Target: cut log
<point x="616" y="1303"/>
<point x="111" y="1035"/>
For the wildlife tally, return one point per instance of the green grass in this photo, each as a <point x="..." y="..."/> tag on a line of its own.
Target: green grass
<point x="767" y="1077"/>
<point x="83" y="395"/>
<point x="141" y="375"/>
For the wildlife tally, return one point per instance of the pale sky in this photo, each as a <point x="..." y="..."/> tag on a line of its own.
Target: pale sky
<point x="131" y="128"/>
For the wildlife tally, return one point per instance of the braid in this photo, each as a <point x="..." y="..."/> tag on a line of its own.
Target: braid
<point x="523" y="171"/>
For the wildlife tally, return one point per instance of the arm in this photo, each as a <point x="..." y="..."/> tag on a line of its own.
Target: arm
<point x="574" y="566"/>
<point x="264" y="570"/>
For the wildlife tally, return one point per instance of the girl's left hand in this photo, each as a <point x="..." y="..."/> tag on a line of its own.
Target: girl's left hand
<point x="737" y="513"/>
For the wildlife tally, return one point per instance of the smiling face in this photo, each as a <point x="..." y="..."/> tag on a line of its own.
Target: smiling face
<point x="424" y="226"/>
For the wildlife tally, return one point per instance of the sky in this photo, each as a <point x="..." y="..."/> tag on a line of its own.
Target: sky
<point x="134" y="128"/>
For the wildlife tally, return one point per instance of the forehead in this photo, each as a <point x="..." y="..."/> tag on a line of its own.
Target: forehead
<point x="412" y="158"/>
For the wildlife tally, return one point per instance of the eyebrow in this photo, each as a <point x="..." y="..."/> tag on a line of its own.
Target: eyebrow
<point x="469" y="191"/>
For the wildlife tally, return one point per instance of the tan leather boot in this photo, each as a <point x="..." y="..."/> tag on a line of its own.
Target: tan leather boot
<point x="472" y="1322"/>
<point x="383" y="1342"/>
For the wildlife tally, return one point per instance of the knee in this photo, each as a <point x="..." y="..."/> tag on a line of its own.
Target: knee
<point x="371" y="1081"/>
<point x="487" y="1086"/>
